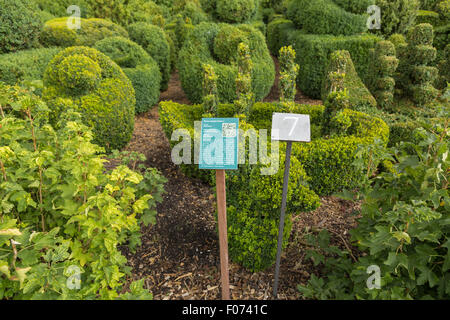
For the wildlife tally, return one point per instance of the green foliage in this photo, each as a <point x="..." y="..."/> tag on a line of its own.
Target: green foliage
<point x="143" y="11"/>
<point x="63" y="216"/>
<point x="201" y="47"/>
<point x="325" y="17"/>
<point x="210" y="99"/>
<point x="189" y="9"/>
<point x="20" y="25"/>
<point x="341" y="74"/>
<point x="25" y="65"/>
<point x="288" y="74"/>
<point x="425" y="16"/>
<point x="246" y="98"/>
<point x="236" y="11"/>
<point x="56" y="32"/>
<point x="113" y="10"/>
<point x="98" y="89"/>
<point x="418" y="74"/>
<point x="58" y="8"/>
<point x="354" y="6"/>
<point x="404" y="228"/>
<point x="277" y="35"/>
<point x="139" y="67"/>
<point x="153" y="39"/>
<point x="383" y="67"/>
<point x="397" y="16"/>
<point x="313" y="52"/>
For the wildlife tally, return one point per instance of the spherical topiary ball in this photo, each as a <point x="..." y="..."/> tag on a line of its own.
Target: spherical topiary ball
<point x="79" y="73"/>
<point x="235" y="11"/>
<point x="140" y="68"/>
<point x="90" y="82"/>
<point x="226" y="43"/>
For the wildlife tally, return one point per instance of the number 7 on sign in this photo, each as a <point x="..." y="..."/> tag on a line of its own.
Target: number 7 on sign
<point x="295" y="124"/>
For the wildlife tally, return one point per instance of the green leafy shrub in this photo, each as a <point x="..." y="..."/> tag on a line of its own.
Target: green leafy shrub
<point x="25" y="65"/>
<point x="313" y="53"/>
<point x="288" y="74"/>
<point x="420" y="75"/>
<point x="235" y="11"/>
<point x="276" y="34"/>
<point x="64" y="215"/>
<point x="325" y="17"/>
<point x="383" y="68"/>
<point x="143" y="11"/>
<point x="359" y="96"/>
<point x="113" y="10"/>
<point x="397" y="16"/>
<point x="56" y="32"/>
<point x="20" y="25"/>
<point x="403" y="228"/>
<point x="201" y="47"/>
<point x="58" y="8"/>
<point x="253" y="199"/>
<point x="354" y="6"/>
<point x="246" y="99"/>
<point x="98" y="89"/>
<point x="190" y="9"/>
<point x="139" y="67"/>
<point x="210" y="98"/>
<point x="425" y="16"/>
<point x="154" y="41"/>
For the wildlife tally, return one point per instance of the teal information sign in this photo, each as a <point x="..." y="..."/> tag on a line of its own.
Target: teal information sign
<point x="219" y="143"/>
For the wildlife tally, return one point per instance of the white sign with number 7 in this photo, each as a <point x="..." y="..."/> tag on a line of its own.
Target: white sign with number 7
<point x="291" y="127"/>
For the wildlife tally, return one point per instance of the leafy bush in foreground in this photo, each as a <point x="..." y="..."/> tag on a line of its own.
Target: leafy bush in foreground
<point x="63" y="215"/>
<point x="404" y="229"/>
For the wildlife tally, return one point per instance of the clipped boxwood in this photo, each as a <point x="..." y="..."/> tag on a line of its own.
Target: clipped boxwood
<point x="313" y="52"/>
<point x="236" y="11"/>
<point x="57" y="33"/>
<point x="98" y="88"/>
<point x="25" y="65"/>
<point x="154" y="40"/>
<point x="359" y="97"/>
<point x="276" y="35"/>
<point x="216" y="44"/>
<point x="19" y="25"/>
<point x="325" y="17"/>
<point x="139" y="67"/>
<point x="321" y="167"/>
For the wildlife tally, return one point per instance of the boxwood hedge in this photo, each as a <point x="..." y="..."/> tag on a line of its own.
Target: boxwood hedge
<point x="94" y="85"/>
<point x="216" y="44"/>
<point x="313" y="52"/>
<point x="56" y="32"/>
<point x="139" y="67"/>
<point x="321" y="167"/>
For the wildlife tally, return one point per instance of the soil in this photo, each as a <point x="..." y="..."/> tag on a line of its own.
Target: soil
<point x="179" y="256"/>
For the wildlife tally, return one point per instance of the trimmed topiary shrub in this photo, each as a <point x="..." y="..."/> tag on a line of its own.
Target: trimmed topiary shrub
<point x="214" y="44"/>
<point x="313" y="52"/>
<point x="153" y="39"/>
<point x="383" y="68"/>
<point x="321" y="167"/>
<point x="139" y="67"/>
<point x="25" y="65"/>
<point x="236" y="11"/>
<point x="288" y="74"/>
<point x="98" y="88"/>
<point x="19" y="25"/>
<point x="425" y="16"/>
<point x="325" y="17"/>
<point x="397" y="16"/>
<point x="143" y="11"/>
<point x="420" y="74"/>
<point x="58" y="8"/>
<point x="359" y="97"/>
<point x="56" y="32"/>
<point x="189" y="9"/>
<point x="277" y="35"/>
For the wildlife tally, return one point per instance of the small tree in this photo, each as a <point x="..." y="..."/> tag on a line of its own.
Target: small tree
<point x="210" y="95"/>
<point x="288" y="74"/>
<point x="246" y="98"/>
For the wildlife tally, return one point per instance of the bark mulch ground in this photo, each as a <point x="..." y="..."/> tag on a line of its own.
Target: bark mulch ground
<point x="179" y="256"/>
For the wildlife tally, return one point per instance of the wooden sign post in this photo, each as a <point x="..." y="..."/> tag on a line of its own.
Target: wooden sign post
<point x="287" y="127"/>
<point x="219" y="151"/>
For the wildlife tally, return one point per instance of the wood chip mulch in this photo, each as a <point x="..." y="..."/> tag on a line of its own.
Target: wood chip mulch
<point x="179" y="256"/>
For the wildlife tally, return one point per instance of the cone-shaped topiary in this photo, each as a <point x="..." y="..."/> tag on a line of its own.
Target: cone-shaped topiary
<point x="95" y="86"/>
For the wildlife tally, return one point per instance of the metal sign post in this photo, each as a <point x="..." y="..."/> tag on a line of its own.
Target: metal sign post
<point x="219" y="151"/>
<point x="287" y="127"/>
